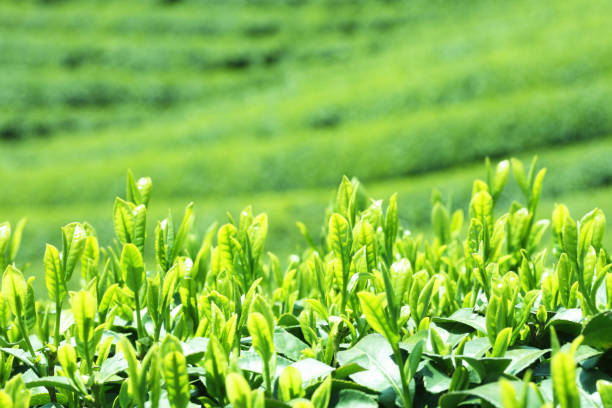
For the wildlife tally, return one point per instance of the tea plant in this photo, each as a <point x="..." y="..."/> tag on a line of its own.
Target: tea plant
<point x="479" y="313"/>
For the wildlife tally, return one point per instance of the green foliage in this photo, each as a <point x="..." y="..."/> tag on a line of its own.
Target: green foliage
<point x="9" y="242"/>
<point x="371" y="316"/>
<point x="153" y="82"/>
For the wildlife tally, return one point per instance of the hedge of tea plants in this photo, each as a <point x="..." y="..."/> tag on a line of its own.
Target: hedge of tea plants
<point x="479" y="312"/>
<point x="287" y="85"/>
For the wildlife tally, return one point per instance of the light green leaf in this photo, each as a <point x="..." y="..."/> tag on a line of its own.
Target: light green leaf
<point x="138" y="192"/>
<point x="502" y="341"/>
<point x="374" y="307"/>
<point x="225" y="247"/>
<point x="569" y="233"/>
<point x="134" y="380"/>
<point x="343" y="197"/>
<point x="320" y="397"/>
<point x="519" y="175"/>
<point x="604" y="388"/>
<point x="68" y="360"/>
<point x="215" y="363"/>
<point x="123" y="220"/>
<point x="14" y="289"/>
<point x="15" y="389"/>
<point x="84" y="311"/>
<point x="139" y="215"/>
<point x="424" y="299"/>
<point x="564" y="380"/>
<point x="481" y="208"/>
<point x="563" y="272"/>
<point x="500" y="178"/>
<point x="171" y="344"/>
<point x="29" y="311"/>
<point x="491" y="393"/>
<point x="90" y="259"/>
<point x="441" y="222"/>
<point x="5" y="238"/>
<point x="494" y="310"/>
<point x="238" y="391"/>
<point x="132" y="267"/>
<point x="15" y="241"/>
<point x="183" y="231"/>
<point x="391" y="226"/>
<point x="154" y="378"/>
<point x="340" y="239"/>
<point x="290" y="384"/>
<point x="258" y="232"/>
<point x="536" y="190"/>
<point x="508" y="394"/>
<point x="177" y="381"/>
<point x="261" y="333"/>
<point x="74" y="237"/>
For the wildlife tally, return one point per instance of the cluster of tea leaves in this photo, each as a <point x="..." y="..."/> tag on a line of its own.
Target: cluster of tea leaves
<point x="476" y="314"/>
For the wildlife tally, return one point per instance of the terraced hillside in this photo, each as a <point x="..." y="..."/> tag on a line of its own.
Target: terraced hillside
<point x="270" y="102"/>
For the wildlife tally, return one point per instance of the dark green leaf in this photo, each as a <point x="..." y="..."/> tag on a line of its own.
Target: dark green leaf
<point x="311" y="369"/>
<point x="373" y="352"/>
<point x="568" y="321"/>
<point x="522" y="358"/>
<point x="465" y="317"/>
<point x="288" y="345"/>
<point x="598" y="331"/>
<point x="55" y="382"/>
<point x="353" y="399"/>
<point x="435" y="380"/>
<point x="491" y="393"/>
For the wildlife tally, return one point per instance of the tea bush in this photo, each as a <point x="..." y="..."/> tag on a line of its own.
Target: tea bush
<point x="298" y="92"/>
<point x="480" y="314"/>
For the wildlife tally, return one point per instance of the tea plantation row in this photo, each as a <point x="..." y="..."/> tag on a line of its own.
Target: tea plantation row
<point x="401" y="95"/>
<point x="480" y="314"/>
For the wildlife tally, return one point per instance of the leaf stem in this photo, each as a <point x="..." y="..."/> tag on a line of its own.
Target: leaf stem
<point x="591" y="306"/>
<point x="345" y="278"/>
<point x="58" y="318"/>
<point x="267" y="379"/>
<point x="405" y="385"/>
<point x="139" y="327"/>
<point x="24" y="332"/>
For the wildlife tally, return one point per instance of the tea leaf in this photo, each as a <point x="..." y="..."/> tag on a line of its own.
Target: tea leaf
<point x="374" y="307"/>
<point x="14" y="289"/>
<point x="564" y="380"/>
<point x="132" y="267"/>
<point x="290" y="384"/>
<point x="238" y="391"/>
<point x="177" y="381"/>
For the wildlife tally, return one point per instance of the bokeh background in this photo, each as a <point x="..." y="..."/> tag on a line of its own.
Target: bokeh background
<point x="270" y="102"/>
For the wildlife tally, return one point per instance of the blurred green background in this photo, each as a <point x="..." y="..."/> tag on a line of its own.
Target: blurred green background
<point x="269" y="103"/>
